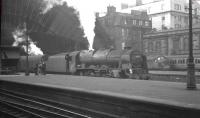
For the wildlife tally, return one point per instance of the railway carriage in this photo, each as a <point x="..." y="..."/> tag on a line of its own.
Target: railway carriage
<point x="179" y="62"/>
<point x="174" y="62"/>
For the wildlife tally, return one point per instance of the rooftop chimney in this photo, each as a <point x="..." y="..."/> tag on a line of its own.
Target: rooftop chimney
<point x="138" y="2"/>
<point x="97" y="14"/>
<point x="111" y="9"/>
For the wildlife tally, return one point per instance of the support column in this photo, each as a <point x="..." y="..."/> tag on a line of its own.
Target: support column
<point x="164" y="46"/>
<point x="0" y="59"/>
<point x="170" y="45"/>
<point x="181" y="44"/>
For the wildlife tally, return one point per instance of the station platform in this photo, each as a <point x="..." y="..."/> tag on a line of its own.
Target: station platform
<point x="167" y="92"/>
<point x="172" y="76"/>
<point x="171" y="72"/>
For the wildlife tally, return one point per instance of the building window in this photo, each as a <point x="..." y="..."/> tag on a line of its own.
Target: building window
<point x="123" y="32"/>
<point x="196" y="11"/>
<point x="149" y="9"/>
<point x="177" y="6"/>
<point x="162" y="6"/>
<point x="186" y="20"/>
<point x="177" y="25"/>
<point x="163" y="18"/>
<point x="125" y="21"/>
<point x="185" y="43"/>
<point x="140" y="22"/>
<point x="150" y="46"/>
<point x="175" y="17"/>
<point x="179" y="18"/>
<point x="186" y="9"/>
<point x="158" y="46"/>
<point x="134" y="22"/>
<point x="146" y="23"/>
<point x="198" y="61"/>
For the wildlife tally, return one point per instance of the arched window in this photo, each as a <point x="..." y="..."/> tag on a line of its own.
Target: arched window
<point x="185" y="42"/>
<point x="150" y="46"/>
<point x="158" y="46"/>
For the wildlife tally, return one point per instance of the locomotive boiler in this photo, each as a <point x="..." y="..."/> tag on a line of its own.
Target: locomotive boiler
<point x="108" y="62"/>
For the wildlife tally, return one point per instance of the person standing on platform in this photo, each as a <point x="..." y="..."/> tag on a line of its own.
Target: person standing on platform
<point x="43" y="68"/>
<point x="36" y="69"/>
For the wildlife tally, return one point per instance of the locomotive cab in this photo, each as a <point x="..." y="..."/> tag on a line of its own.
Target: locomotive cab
<point x="71" y="62"/>
<point x="139" y="67"/>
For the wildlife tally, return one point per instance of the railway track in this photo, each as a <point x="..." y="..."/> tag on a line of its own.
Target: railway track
<point x="25" y="106"/>
<point x="20" y="100"/>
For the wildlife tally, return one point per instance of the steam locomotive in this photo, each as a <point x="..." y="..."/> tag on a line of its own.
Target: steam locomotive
<point x="103" y="62"/>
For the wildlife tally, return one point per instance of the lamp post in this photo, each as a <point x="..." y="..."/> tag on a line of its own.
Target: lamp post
<point x="0" y="59"/>
<point x="191" y="83"/>
<point x="27" y="64"/>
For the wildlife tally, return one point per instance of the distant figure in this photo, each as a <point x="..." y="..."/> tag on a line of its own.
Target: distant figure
<point x="36" y="69"/>
<point x="43" y="68"/>
<point x="39" y="68"/>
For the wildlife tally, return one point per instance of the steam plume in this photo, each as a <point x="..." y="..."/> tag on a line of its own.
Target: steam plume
<point x="20" y="40"/>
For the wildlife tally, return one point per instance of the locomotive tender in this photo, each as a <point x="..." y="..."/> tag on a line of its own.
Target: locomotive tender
<point x="103" y="62"/>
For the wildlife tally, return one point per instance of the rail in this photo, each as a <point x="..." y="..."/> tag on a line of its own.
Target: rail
<point x="37" y="107"/>
<point x="52" y="101"/>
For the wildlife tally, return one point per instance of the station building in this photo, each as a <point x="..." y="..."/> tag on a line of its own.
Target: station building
<point x="171" y="42"/>
<point x="125" y="29"/>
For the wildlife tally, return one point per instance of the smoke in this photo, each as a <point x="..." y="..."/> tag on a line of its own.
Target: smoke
<point x="20" y="40"/>
<point x="33" y="49"/>
<point x="20" y="36"/>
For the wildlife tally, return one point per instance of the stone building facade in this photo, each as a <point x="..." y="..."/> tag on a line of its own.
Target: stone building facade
<point x="126" y="29"/>
<point x="171" y="42"/>
<point x="168" y="14"/>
